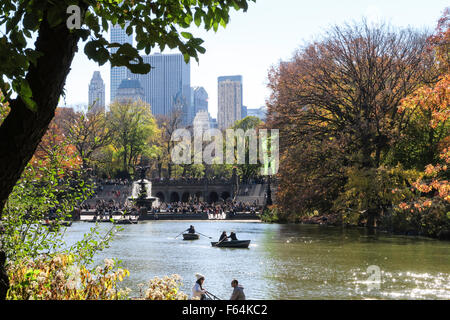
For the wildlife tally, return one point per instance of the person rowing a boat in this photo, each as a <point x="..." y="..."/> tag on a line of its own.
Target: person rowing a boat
<point x="232" y="236"/>
<point x="191" y="229"/>
<point x="197" y="289"/>
<point x="223" y="237"/>
<point x="238" y="291"/>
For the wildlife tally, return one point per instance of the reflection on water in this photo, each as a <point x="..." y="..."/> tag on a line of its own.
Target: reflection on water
<point x="283" y="261"/>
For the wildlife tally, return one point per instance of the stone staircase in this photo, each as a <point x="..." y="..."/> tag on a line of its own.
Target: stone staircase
<point x="108" y="193"/>
<point x="255" y="193"/>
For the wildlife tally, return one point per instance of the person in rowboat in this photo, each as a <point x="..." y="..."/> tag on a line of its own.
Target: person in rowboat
<point x="197" y="289"/>
<point x="191" y="229"/>
<point x="238" y="291"/>
<point x="232" y="236"/>
<point x="223" y="237"/>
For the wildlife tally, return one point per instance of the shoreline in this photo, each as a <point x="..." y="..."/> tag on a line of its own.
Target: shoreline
<point x="332" y="220"/>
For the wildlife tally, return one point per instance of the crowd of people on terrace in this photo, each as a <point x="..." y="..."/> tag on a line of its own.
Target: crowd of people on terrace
<point x="215" y="208"/>
<point x="103" y="207"/>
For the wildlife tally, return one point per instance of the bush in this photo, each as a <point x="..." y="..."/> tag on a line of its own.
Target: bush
<point x="426" y="217"/>
<point x="270" y="215"/>
<point x="166" y="288"/>
<point x="373" y="191"/>
<point x="59" y="278"/>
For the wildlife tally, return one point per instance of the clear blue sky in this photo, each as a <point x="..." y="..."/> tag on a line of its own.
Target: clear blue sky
<point x="270" y="31"/>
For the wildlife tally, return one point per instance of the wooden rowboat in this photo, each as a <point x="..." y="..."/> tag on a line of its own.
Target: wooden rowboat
<point x="190" y="236"/>
<point x="232" y="244"/>
<point x="125" y="221"/>
<point x="53" y="223"/>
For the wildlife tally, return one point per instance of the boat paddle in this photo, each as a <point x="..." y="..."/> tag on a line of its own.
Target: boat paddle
<point x="180" y="233"/>
<point x="221" y="241"/>
<point x="204" y="235"/>
<point x="210" y="294"/>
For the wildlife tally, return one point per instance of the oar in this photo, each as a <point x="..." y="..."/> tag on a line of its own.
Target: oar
<point x="209" y="293"/>
<point x="204" y="235"/>
<point x="180" y="233"/>
<point x="221" y="241"/>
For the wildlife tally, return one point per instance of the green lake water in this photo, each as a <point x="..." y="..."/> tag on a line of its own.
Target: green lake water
<point x="283" y="261"/>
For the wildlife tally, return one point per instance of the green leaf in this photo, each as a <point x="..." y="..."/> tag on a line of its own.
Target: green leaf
<point x="186" y="35"/>
<point x="198" y="17"/>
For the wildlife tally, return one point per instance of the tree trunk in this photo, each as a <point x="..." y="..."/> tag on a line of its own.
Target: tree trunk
<point x="4" y="281"/>
<point x="23" y="129"/>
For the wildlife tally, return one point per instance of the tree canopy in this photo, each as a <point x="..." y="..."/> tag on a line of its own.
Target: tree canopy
<point x="37" y="73"/>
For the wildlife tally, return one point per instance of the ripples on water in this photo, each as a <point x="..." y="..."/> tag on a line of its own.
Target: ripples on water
<point x="283" y="261"/>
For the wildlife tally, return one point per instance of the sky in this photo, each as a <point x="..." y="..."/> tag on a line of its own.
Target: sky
<point x="270" y="31"/>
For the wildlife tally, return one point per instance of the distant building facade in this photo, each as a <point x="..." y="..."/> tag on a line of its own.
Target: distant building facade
<point x="168" y="85"/>
<point x="201" y="123"/>
<point x="259" y="112"/>
<point x="129" y="90"/>
<point x="117" y="74"/>
<point x="96" y="93"/>
<point x="213" y="123"/>
<point x="230" y="101"/>
<point x="243" y="112"/>
<point x="199" y="101"/>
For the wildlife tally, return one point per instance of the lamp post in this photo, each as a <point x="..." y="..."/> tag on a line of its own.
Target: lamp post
<point x="269" y="193"/>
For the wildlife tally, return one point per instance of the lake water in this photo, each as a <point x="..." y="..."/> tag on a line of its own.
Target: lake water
<point x="283" y="261"/>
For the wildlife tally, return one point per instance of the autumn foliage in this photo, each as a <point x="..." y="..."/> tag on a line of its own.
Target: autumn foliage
<point x="54" y="149"/>
<point x="363" y="117"/>
<point x="434" y="99"/>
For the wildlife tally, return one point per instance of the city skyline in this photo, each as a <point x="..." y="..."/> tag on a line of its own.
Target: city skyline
<point x="275" y="34"/>
<point x="168" y="85"/>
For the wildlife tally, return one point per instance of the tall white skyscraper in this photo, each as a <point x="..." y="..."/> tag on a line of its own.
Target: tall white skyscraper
<point x="230" y="101"/>
<point x="118" y="73"/>
<point x="201" y="123"/>
<point x="168" y="84"/>
<point x="199" y="101"/>
<point x="97" y="92"/>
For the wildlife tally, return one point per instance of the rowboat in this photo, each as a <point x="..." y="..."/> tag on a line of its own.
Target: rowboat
<point x="53" y="223"/>
<point x="99" y="220"/>
<point x="190" y="236"/>
<point x="125" y="221"/>
<point x="232" y="244"/>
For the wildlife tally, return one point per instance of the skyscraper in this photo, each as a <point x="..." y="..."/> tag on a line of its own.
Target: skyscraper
<point x="130" y="90"/>
<point x="201" y="122"/>
<point x="199" y="101"/>
<point x="230" y="101"/>
<point x="118" y="73"/>
<point x="97" y="92"/>
<point x="168" y="84"/>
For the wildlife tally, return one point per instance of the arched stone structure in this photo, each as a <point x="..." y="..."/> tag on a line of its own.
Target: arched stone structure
<point x="185" y="197"/>
<point x="199" y="190"/>
<point x="213" y="197"/>
<point x="161" y="196"/>
<point x="225" y="195"/>
<point x="174" y="197"/>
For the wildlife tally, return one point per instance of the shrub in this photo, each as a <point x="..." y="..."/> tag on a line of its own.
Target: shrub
<point x="166" y="288"/>
<point x="59" y="278"/>
<point x="373" y="191"/>
<point x="270" y="215"/>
